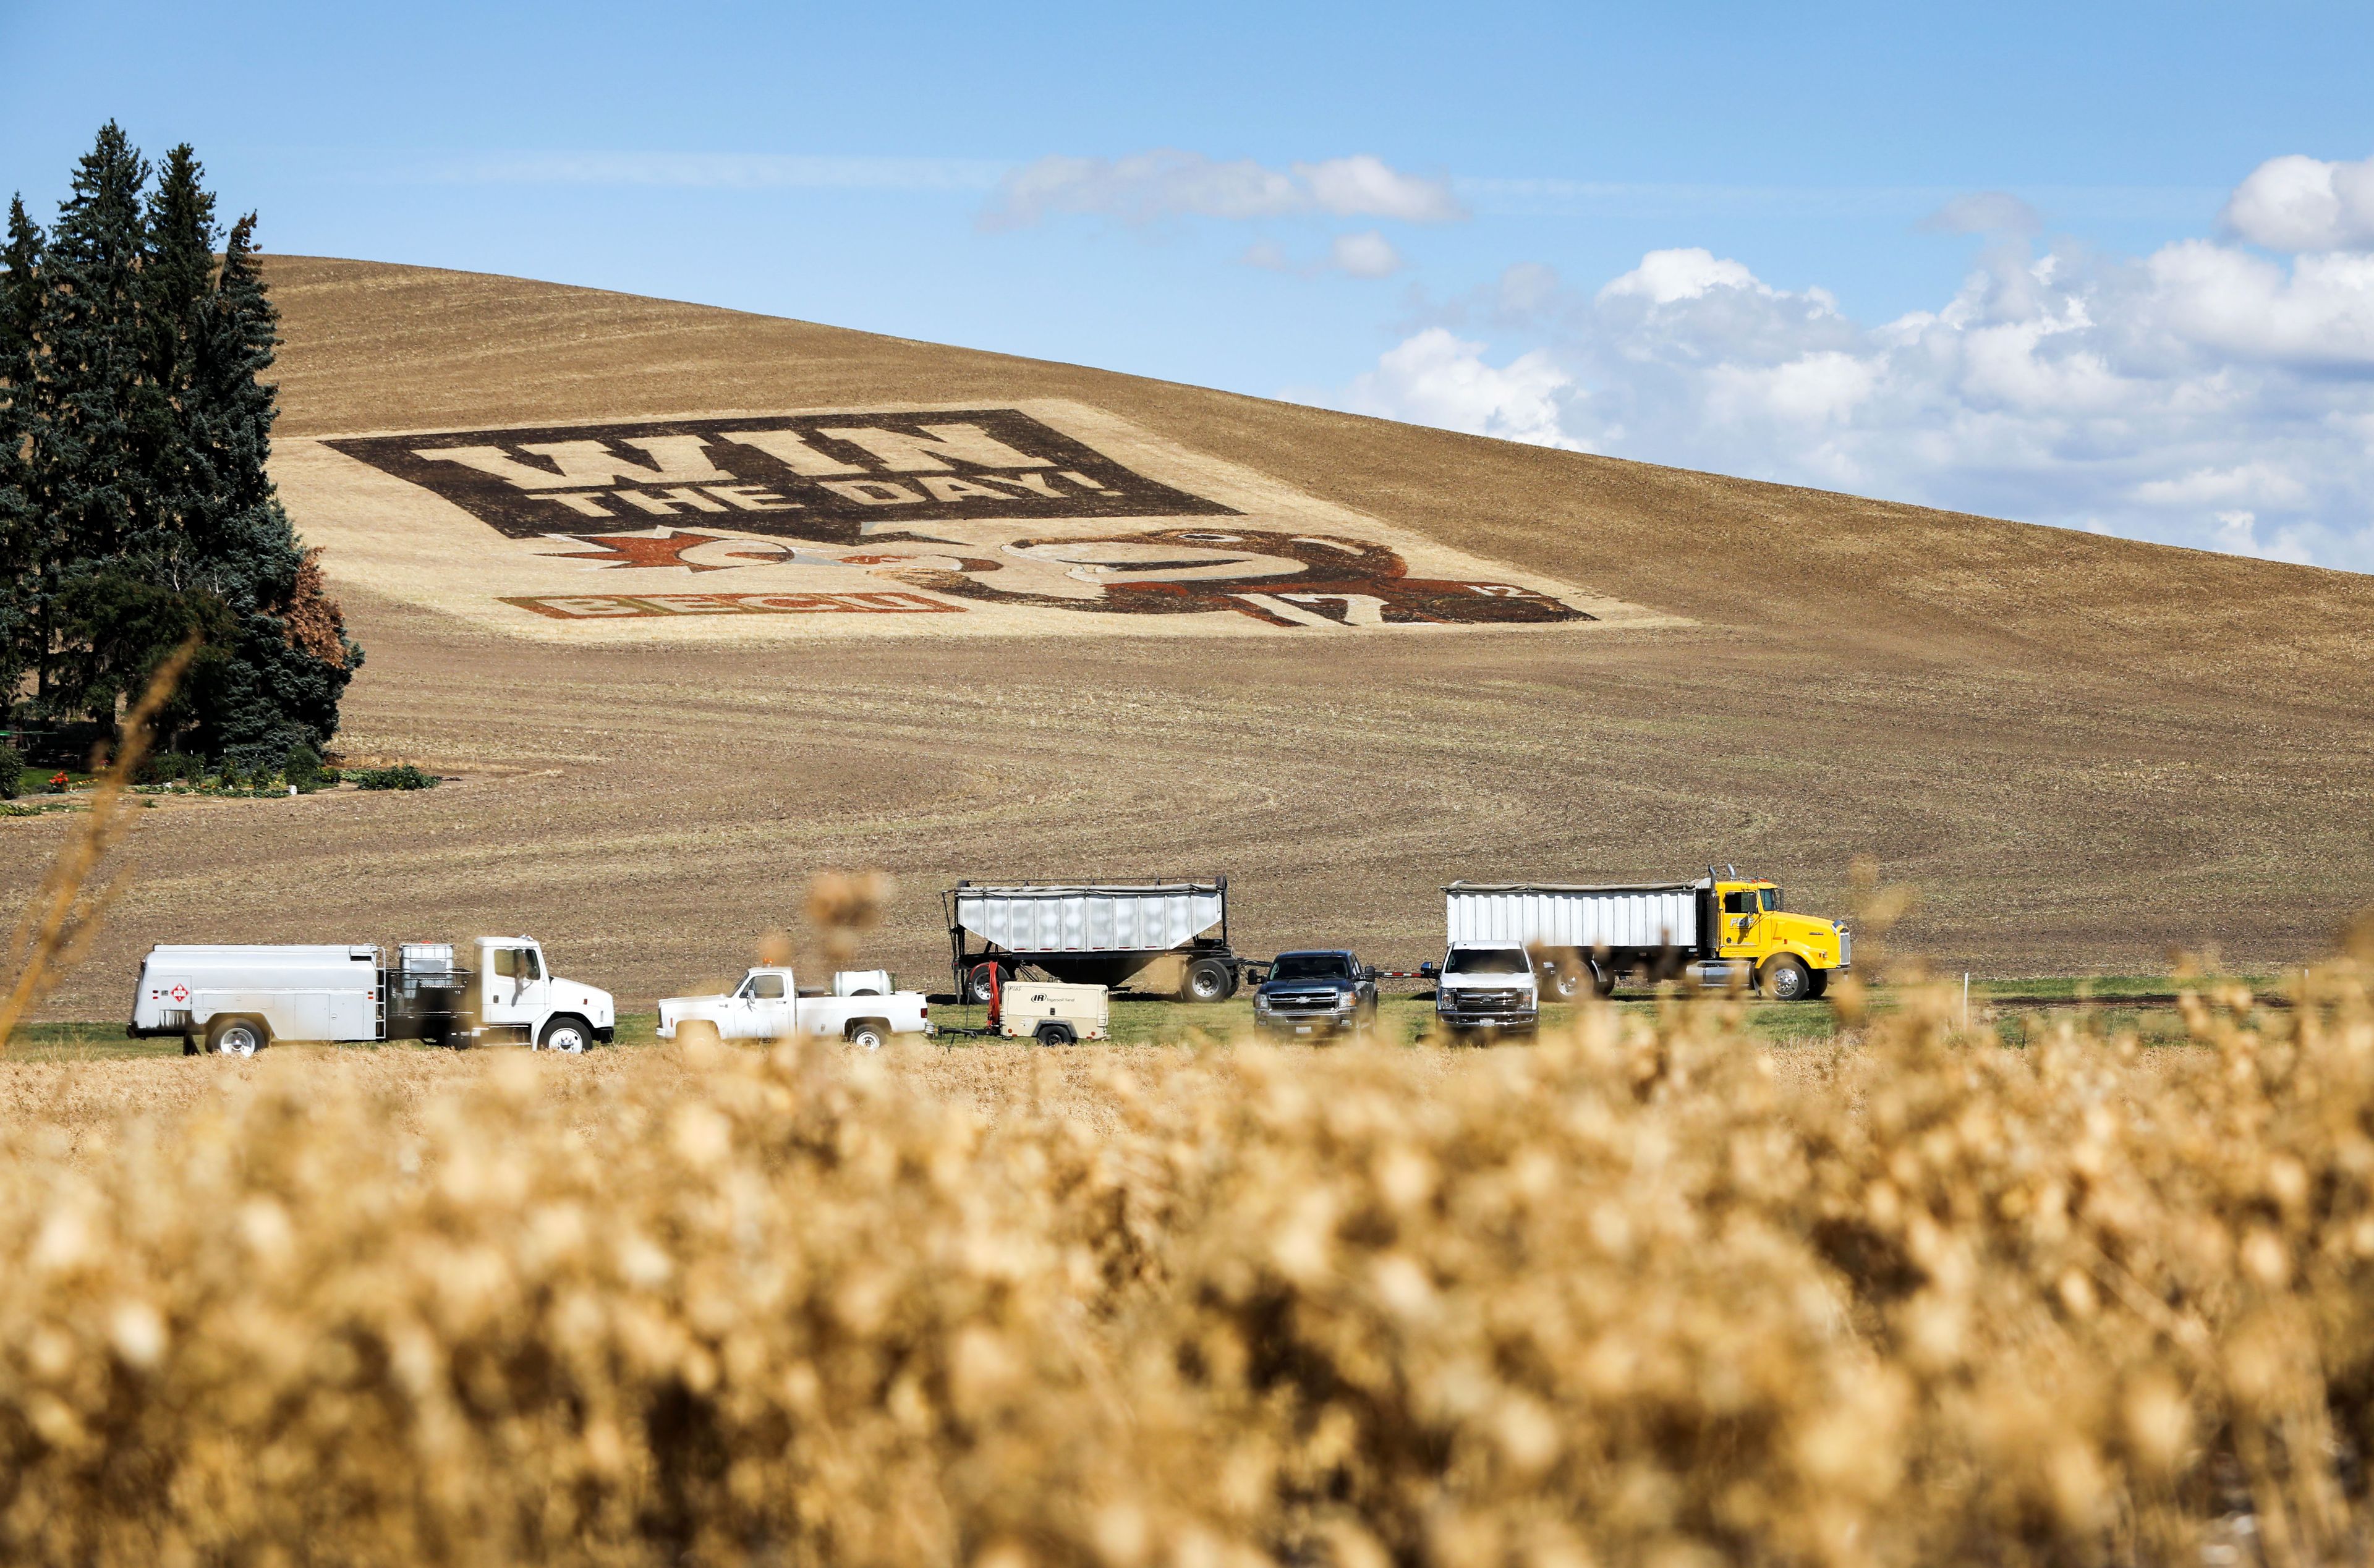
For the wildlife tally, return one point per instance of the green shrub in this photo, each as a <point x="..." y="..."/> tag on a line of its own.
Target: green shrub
<point x="303" y="766"/>
<point x="172" y="767"/>
<point x="12" y="772"/>
<point x="403" y="776"/>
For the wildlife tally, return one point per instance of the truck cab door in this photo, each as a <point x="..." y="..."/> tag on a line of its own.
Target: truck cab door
<point x="1740" y="909"/>
<point x="769" y="1006"/>
<point x="514" y="986"/>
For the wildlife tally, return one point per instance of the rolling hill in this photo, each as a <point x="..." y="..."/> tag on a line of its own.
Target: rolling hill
<point x="1341" y="660"/>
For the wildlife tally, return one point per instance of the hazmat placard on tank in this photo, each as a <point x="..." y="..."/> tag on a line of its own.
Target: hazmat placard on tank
<point x="1044" y="516"/>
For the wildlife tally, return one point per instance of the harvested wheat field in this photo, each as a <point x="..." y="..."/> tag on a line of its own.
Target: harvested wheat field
<point x="692" y="602"/>
<point x="1644" y="1294"/>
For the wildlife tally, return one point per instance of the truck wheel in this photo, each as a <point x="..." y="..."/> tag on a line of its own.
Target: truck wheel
<point x="1820" y="983"/>
<point x="978" y="982"/>
<point x="1786" y="978"/>
<point x="237" y="1036"/>
<point x="1057" y="1035"/>
<point x="1207" y="980"/>
<point x="867" y="1034"/>
<point x="1602" y="981"/>
<point x="1563" y="981"/>
<point x="567" y="1034"/>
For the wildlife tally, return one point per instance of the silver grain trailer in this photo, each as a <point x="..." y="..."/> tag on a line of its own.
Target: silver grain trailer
<point x="1169" y="937"/>
<point x="1719" y="931"/>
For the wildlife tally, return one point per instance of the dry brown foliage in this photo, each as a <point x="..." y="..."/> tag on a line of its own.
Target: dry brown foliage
<point x="315" y="623"/>
<point x="1640" y="1295"/>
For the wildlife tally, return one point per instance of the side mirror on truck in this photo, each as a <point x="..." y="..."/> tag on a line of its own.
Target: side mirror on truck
<point x="1429" y="970"/>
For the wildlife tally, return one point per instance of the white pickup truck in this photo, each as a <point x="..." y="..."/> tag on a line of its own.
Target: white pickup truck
<point x="1485" y="988"/>
<point x="768" y="1005"/>
<point x="241" y="999"/>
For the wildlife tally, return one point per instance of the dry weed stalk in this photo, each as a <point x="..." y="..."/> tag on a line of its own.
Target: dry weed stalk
<point x="1641" y="1294"/>
<point x="57" y="925"/>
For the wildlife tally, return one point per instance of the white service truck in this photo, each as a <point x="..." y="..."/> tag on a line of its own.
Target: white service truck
<point x="768" y="1005"/>
<point x="238" y="1000"/>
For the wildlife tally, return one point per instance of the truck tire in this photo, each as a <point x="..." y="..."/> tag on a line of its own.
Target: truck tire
<point x="1786" y="978"/>
<point x="1820" y="984"/>
<point x="867" y="1034"/>
<point x="978" y="982"/>
<point x="1562" y="980"/>
<point x="237" y="1036"/>
<point x="1055" y="1033"/>
<point x="1207" y="979"/>
<point x="1602" y="981"/>
<point x="567" y="1034"/>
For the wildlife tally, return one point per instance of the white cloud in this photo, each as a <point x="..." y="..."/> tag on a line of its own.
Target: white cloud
<point x="2202" y="395"/>
<point x="1365" y="254"/>
<point x="2320" y="309"/>
<point x="1268" y="255"/>
<point x="2237" y="532"/>
<point x="1362" y="186"/>
<point x="2302" y="204"/>
<point x="2255" y="484"/>
<point x="1167" y="182"/>
<point x="1664" y="276"/>
<point x="1437" y="379"/>
<point x="1984" y="212"/>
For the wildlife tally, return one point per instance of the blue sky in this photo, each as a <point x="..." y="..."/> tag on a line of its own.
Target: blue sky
<point x="2009" y="257"/>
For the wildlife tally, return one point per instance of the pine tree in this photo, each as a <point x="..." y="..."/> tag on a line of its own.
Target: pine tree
<point x="23" y="547"/>
<point x="92" y="472"/>
<point x="281" y="683"/>
<point x="135" y="507"/>
<point x="176" y="283"/>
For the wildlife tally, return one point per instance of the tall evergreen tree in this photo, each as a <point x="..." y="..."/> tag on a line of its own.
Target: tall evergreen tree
<point x="135" y="507"/>
<point x="23" y="546"/>
<point x="282" y="682"/>
<point x="88" y="461"/>
<point x="176" y="283"/>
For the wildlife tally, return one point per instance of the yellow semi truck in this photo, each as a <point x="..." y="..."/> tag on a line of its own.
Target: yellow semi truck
<point x="1719" y="931"/>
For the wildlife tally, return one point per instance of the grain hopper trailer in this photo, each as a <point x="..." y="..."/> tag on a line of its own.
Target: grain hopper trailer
<point x="1169" y="937"/>
<point x="1716" y="931"/>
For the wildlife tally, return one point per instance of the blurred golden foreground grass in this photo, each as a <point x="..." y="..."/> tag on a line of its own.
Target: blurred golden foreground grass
<point x="1642" y="1293"/>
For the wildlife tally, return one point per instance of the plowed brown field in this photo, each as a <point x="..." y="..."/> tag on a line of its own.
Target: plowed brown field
<point x="2083" y="752"/>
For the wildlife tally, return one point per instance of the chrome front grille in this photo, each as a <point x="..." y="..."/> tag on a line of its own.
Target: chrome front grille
<point x="1487" y="1002"/>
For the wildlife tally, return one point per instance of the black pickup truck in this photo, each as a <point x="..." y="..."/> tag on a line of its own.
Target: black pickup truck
<point x="1316" y="992"/>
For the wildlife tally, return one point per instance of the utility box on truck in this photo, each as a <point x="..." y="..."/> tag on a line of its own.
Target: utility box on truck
<point x="1163" y="936"/>
<point x="1716" y="931"/>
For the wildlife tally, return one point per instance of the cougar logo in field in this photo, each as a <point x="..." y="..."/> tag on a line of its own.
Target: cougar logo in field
<point x="1283" y="579"/>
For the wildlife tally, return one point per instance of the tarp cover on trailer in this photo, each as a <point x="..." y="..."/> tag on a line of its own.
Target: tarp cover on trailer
<point x="1150" y="917"/>
<point x="1550" y="914"/>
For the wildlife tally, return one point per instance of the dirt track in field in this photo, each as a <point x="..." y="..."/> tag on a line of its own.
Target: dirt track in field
<point x="2084" y="752"/>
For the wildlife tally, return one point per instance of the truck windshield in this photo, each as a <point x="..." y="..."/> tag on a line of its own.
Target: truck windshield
<point x="1310" y="967"/>
<point x="1486" y="961"/>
